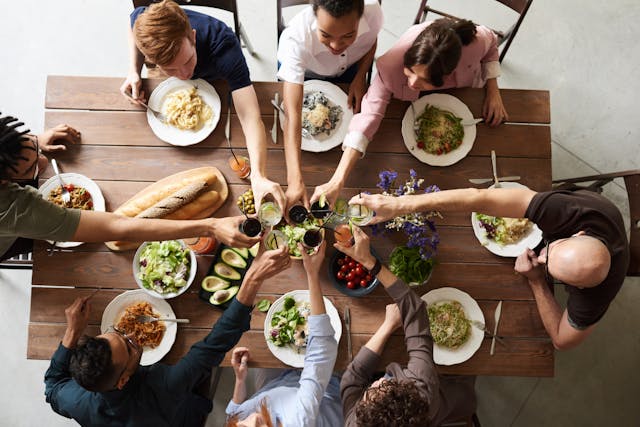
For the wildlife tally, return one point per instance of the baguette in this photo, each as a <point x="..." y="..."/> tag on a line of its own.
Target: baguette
<point x="174" y="202"/>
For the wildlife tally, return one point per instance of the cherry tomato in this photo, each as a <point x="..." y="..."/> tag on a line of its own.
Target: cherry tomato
<point x="351" y="285"/>
<point x="347" y="259"/>
<point x="368" y="277"/>
<point x="350" y="276"/>
<point x="344" y="269"/>
<point x="420" y="144"/>
<point x="340" y="261"/>
<point x="363" y="283"/>
<point x="340" y="275"/>
<point x="352" y="264"/>
<point x="70" y="187"/>
<point x="359" y="271"/>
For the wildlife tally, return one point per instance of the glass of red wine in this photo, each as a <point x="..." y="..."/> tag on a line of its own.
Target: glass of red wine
<point x="251" y="227"/>
<point x="312" y="238"/>
<point x="298" y="214"/>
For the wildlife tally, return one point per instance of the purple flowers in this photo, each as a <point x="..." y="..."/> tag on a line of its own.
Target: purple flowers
<point x="418" y="226"/>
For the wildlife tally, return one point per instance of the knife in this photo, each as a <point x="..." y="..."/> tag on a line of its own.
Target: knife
<point x="496" y="317"/>
<point x="274" y="128"/>
<point x="473" y="122"/>
<point x="347" y="323"/>
<point x="495" y="172"/>
<point x="485" y="180"/>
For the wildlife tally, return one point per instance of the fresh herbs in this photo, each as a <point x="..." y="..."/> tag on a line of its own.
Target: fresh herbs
<point x="263" y="305"/>
<point x="408" y="265"/>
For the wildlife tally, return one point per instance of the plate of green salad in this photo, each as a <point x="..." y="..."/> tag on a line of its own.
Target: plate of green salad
<point x="164" y="269"/>
<point x="451" y="312"/>
<point x="286" y="330"/>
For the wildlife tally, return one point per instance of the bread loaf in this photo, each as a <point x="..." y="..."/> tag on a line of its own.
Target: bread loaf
<point x="174" y="202"/>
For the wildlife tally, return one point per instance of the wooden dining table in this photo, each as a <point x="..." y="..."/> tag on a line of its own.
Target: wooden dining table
<point x="122" y="155"/>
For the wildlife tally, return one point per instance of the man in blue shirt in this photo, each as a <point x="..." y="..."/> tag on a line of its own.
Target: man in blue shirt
<point x="98" y="382"/>
<point x="191" y="45"/>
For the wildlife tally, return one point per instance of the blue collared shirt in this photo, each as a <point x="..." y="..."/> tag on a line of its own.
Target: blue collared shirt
<point x="306" y="398"/>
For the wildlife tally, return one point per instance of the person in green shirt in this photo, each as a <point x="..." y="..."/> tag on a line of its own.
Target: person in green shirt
<point x="25" y="215"/>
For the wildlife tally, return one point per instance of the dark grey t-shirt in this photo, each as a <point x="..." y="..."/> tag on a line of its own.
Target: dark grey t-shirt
<point x="560" y="214"/>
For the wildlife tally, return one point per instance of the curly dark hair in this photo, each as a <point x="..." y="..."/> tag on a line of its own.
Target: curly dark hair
<point x="393" y="403"/>
<point x="439" y="47"/>
<point x="11" y="145"/>
<point x="91" y="364"/>
<point x="339" y="8"/>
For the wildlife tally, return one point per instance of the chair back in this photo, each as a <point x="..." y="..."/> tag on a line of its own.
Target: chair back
<point x="632" y="185"/>
<point x="281" y="4"/>
<point x="521" y="7"/>
<point x="228" y="5"/>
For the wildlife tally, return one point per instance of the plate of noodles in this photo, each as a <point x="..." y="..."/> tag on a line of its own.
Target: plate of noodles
<point x="506" y="237"/>
<point x="450" y="312"/>
<point x="435" y="134"/>
<point x="85" y="195"/>
<point x="155" y="338"/>
<point x="191" y="108"/>
<point x="325" y="116"/>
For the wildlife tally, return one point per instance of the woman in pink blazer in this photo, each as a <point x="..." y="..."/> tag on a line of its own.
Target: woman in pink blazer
<point x="431" y="56"/>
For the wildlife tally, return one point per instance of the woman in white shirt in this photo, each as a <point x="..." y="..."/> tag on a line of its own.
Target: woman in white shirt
<point x="333" y="40"/>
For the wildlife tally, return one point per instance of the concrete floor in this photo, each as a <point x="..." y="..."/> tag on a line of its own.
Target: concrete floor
<point x="585" y="54"/>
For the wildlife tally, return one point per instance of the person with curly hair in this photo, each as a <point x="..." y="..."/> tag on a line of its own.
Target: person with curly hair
<point x="98" y="381"/>
<point x="411" y="396"/>
<point x="25" y="215"/>
<point x="436" y="55"/>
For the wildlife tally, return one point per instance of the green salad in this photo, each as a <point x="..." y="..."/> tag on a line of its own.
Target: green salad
<point x="294" y="234"/>
<point x="289" y="325"/>
<point x="164" y="266"/>
<point x="408" y="265"/>
<point x="449" y="324"/>
<point x="438" y="131"/>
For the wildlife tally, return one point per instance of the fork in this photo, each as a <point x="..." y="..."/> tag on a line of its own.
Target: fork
<point x="478" y="324"/>
<point x="145" y="318"/>
<point x="157" y="114"/>
<point x="495" y="172"/>
<point x="305" y="133"/>
<point x="66" y="196"/>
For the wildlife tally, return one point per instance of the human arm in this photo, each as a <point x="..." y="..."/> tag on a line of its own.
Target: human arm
<point x="292" y="99"/>
<point x="392" y="321"/>
<point x="506" y="202"/>
<point x="555" y="320"/>
<point x="62" y="132"/>
<point x="246" y="104"/>
<point x="493" y="109"/>
<point x="133" y="82"/>
<point x="358" y="86"/>
<point x="332" y="188"/>
<point x="239" y="361"/>
<point x="105" y="226"/>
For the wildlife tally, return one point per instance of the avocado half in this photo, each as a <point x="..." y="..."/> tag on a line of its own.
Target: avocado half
<point x="214" y="283"/>
<point x="226" y="272"/>
<point x="223" y="295"/>
<point x="232" y="258"/>
<point x="244" y="252"/>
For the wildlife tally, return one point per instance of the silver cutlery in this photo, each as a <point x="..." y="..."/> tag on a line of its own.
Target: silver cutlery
<point x="158" y="115"/>
<point x="144" y="318"/>
<point x="347" y="322"/>
<point x="495" y="173"/>
<point x="305" y="133"/>
<point x="496" y="317"/>
<point x="227" y="126"/>
<point x="415" y="118"/>
<point x="472" y="122"/>
<point x="486" y="180"/>
<point x="274" y="128"/>
<point x="66" y="196"/>
<point x="478" y="324"/>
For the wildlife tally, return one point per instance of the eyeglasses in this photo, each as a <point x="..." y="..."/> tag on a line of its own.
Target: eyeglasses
<point x="130" y="343"/>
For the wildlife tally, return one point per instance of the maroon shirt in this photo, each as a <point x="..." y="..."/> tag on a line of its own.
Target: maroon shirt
<point x="560" y="214"/>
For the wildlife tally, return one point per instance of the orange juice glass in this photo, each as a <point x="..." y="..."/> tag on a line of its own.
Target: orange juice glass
<point x="342" y="233"/>
<point x="240" y="166"/>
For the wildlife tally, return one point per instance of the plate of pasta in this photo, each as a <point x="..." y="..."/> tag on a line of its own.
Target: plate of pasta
<point x="191" y="108"/>
<point x="451" y="312"/>
<point x="433" y="132"/>
<point x="85" y="195"/>
<point x="325" y="116"/>
<point x="506" y="237"/>
<point x="155" y="338"/>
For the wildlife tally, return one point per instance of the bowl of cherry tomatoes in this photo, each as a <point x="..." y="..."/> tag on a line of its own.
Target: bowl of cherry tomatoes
<point x="350" y="277"/>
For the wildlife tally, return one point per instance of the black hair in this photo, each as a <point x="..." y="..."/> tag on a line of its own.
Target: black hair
<point x="339" y="8"/>
<point x="11" y="145"/>
<point x="91" y="364"/>
<point x="439" y="47"/>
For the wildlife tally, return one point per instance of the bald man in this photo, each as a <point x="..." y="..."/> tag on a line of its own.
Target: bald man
<point x="585" y="247"/>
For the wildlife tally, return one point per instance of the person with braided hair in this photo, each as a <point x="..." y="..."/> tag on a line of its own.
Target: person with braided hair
<point x="25" y="215"/>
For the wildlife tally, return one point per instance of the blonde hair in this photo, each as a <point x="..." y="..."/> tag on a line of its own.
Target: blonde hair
<point x="159" y="31"/>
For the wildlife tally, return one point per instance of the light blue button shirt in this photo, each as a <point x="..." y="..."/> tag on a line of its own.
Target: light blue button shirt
<point x="306" y="398"/>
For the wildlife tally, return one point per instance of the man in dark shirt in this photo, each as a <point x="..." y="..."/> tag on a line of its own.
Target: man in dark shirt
<point x="586" y="247"/>
<point x="99" y="382"/>
<point x="191" y="45"/>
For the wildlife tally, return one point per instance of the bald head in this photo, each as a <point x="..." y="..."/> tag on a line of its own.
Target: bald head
<point x="581" y="260"/>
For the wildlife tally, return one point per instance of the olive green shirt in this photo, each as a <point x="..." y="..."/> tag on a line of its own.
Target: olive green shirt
<point x="24" y="213"/>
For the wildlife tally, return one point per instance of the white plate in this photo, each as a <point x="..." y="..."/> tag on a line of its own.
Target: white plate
<point x="116" y="308"/>
<point x="531" y="240"/>
<point x="323" y="142"/>
<point x="79" y="181"/>
<point x="171" y="134"/>
<point x="448" y="356"/>
<point x="447" y="103"/>
<point x="287" y="354"/>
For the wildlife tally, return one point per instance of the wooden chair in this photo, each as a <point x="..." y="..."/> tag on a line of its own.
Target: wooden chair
<point x="19" y="262"/>
<point x="228" y="5"/>
<point x="519" y="6"/>
<point x="632" y="184"/>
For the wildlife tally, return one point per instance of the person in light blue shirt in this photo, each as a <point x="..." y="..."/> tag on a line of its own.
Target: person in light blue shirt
<point x="306" y="398"/>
